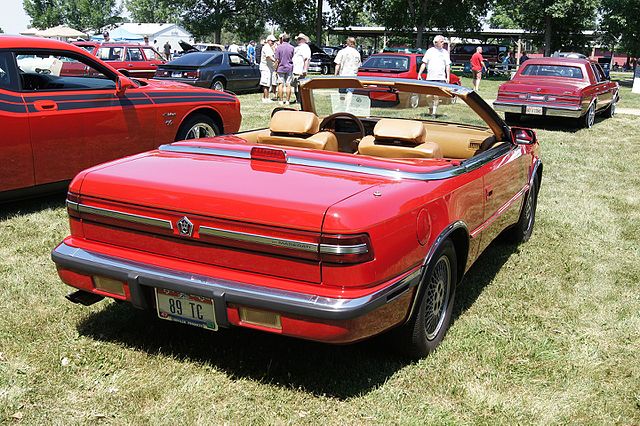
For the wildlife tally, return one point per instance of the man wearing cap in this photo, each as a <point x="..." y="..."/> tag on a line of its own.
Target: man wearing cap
<point x="438" y="64"/>
<point x="301" y="57"/>
<point x="267" y="68"/>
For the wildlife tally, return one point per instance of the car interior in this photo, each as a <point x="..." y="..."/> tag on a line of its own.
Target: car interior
<point x="372" y="136"/>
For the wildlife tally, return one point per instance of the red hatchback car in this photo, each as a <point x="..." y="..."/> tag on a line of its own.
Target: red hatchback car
<point x="135" y="60"/>
<point x="558" y="87"/>
<point x="396" y="65"/>
<point x="63" y="110"/>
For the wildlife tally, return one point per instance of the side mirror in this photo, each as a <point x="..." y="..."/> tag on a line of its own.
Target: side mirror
<point x="122" y="84"/>
<point x="523" y="136"/>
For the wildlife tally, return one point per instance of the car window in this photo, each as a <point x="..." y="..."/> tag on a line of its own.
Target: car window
<point x="110" y="53"/>
<point x="552" y="71"/>
<point x="53" y="71"/>
<point x="134" y="54"/>
<point x="598" y="72"/>
<point x="392" y="63"/>
<point x="237" y="60"/>
<point x="87" y="48"/>
<point x="198" y="59"/>
<point x="8" y="78"/>
<point x="152" y="55"/>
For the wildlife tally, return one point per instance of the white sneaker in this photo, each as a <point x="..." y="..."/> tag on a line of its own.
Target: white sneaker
<point x="266" y="101"/>
<point x="285" y="103"/>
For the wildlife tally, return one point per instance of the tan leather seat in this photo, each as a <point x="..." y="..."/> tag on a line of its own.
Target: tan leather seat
<point x="298" y="129"/>
<point x="393" y="138"/>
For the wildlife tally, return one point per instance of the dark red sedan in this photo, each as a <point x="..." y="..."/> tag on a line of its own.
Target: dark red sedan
<point x="558" y="87"/>
<point x="135" y="60"/>
<point x="57" y="121"/>
<point x="396" y="65"/>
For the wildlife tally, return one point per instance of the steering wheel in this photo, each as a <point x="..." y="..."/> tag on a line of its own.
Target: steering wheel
<point x="329" y="122"/>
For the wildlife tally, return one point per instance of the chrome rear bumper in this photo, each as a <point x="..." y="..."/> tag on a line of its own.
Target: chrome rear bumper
<point x="550" y="111"/>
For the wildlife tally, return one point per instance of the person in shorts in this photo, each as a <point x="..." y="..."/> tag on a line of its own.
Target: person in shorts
<point x="284" y="60"/>
<point x="438" y="64"/>
<point x="477" y="67"/>
<point x="301" y="57"/>
<point x="267" y="67"/>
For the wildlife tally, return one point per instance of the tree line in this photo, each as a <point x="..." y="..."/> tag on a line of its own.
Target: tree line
<point x="559" y="23"/>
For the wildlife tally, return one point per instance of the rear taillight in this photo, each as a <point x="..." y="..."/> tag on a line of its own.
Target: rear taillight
<point x="269" y="154"/>
<point x="345" y="248"/>
<point x="191" y="74"/>
<point x="162" y="73"/>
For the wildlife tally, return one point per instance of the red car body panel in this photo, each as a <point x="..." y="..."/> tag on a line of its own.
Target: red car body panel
<point x="53" y="134"/>
<point x="411" y="72"/>
<point x="142" y="63"/>
<point x="208" y="218"/>
<point x="570" y="95"/>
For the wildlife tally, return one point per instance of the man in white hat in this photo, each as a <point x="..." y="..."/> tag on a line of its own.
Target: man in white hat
<point x="301" y="57"/>
<point x="267" y="67"/>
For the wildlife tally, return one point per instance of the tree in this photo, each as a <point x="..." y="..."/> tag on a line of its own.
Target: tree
<point x="503" y="16"/>
<point x="155" y="10"/>
<point x="91" y="14"/>
<point x="620" y="25"/>
<point x="44" y="13"/>
<point x="448" y="15"/>
<point x="560" y="21"/>
<point x="294" y="16"/>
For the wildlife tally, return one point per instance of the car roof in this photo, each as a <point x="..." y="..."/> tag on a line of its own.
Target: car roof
<point x="28" y="42"/>
<point x="396" y="54"/>
<point x="557" y="61"/>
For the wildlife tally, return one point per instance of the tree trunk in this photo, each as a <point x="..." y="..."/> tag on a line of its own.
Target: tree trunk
<point x="319" y="23"/>
<point x="419" y="41"/>
<point x="217" y="35"/>
<point x="547" y="35"/>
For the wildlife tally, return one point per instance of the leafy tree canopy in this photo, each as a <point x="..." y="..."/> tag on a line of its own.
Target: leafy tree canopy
<point x="621" y="24"/>
<point x="44" y="13"/>
<point x="78" y="14"/>
<point x="155" y="10"/>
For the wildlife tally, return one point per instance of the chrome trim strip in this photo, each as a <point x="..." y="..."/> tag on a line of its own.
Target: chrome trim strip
<point x="258" y="239"/>
<point x="464" y="167"/>
<point x="128" y="217"/>
<point x="72" y="205"/>
<point x="223" y="291"/>
<point x="337" y="249"/>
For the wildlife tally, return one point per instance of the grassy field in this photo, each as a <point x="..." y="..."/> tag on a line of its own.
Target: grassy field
<point x="544" y="333"/>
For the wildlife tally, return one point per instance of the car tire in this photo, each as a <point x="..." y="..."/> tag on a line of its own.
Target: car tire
<point x="512" y="117"/>
<point x="589" y="118"/>
<point x="197" y="126"/>
<point x="611" y="109"/>
<point x="325" y="70"/>
<point x="521" y="231"/>
<point x="218" y="84"/>
<point x="431" y="318"/>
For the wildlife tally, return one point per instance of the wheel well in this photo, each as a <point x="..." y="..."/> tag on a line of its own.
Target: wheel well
<point x="460" y="240"/>
<point x="209" y="113"/>
<point x="539" y="176"/>
<point x="218" y="77"/>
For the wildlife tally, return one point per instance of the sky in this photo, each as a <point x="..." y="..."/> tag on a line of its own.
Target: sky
<point x="13" y="19"/>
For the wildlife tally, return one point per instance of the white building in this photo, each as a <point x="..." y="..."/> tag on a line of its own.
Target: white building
<point x="159" y="34"/>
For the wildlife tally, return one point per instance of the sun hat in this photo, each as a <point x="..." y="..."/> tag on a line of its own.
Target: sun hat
<point x="270" y="37"/>
<point x="302" y="36"/>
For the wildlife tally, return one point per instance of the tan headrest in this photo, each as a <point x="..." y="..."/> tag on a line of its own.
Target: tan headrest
<point x="294" y="123"/>
<point x="405" y="130"/>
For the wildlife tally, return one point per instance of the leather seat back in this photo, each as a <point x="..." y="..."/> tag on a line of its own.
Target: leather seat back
<point x="298" y="129"/>
<point x="393" y="138"/>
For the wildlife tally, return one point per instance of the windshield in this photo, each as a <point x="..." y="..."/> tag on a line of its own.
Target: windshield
<point x="195" y="58"/>
<point x="387" y="62"/>
<point x="379" y="101"/>
<point x="552" y="71"/>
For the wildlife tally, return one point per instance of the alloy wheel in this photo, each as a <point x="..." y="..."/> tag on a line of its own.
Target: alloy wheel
<point x="200" y="130"/>
<point x="437" y="297"/>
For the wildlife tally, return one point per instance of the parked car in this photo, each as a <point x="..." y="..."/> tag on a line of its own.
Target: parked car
<point x="332" y="50"/>
<point x="399" y="65"/>
<point x="63" y="110"/>
<point x="320" y="61"/>
<point x="493" y="54"/>
<point x="560" y="87"/>
<point x="134" y="60"/>
<point x="574" y="55"/>
<point x="212" y="69"/>
<point x="336" y="223"/>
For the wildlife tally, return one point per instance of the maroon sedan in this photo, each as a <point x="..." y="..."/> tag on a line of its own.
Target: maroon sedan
<point x="396" y="65"/>
<point x="135" y="60"/>
<point x="560" y="87"/>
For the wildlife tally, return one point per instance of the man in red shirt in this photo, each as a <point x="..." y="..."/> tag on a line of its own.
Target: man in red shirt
<point x="477" y="67"/>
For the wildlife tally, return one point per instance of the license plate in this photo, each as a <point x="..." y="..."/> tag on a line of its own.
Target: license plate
<point x="186" y="308"/>
<point x="536" y="97"/>
<point x="176" y="74"/>
<point x="535" y="110"/>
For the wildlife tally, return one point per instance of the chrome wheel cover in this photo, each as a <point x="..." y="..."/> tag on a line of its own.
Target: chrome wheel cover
<point x="414" y="100"/>
<point x="200" y="130"/>
<point x="528" y="210"/>
<point x="218" y="85"/>
<point x="613" y="107"/>
<point x="437" y="296"/>
<point x="591" y="116"/>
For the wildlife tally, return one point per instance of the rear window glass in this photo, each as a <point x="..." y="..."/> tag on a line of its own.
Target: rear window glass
<point x="395" y="63"/>
<point x="196" y="58"/>
<point x="552" y="71"/>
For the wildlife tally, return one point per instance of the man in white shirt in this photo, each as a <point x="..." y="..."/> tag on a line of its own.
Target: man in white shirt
<point x="438" y="64"/>
<point x="348" y="59"/>
<point x="267" y="68"/>
<point x="301" y="57"/>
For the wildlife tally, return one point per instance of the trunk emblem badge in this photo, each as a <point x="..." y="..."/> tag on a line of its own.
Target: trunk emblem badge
<point x="185" y="227"/>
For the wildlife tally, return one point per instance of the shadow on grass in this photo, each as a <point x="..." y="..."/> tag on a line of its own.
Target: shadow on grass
<point x="556" y="124"/>
<point x="323" y="370"/>
<point x="32" y="205"/>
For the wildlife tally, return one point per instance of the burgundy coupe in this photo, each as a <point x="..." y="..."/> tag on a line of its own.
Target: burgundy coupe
<point x="558" y="87"/>
<point x="338" y="222"/>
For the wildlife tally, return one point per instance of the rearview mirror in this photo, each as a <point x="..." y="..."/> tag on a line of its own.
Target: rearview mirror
<point x="122" y="84"/>
<point x="523" y="136"/>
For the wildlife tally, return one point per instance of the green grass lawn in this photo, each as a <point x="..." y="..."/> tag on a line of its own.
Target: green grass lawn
<point x="547" y="332"/>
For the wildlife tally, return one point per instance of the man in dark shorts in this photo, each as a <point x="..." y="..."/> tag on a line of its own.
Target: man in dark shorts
<point x="477" y="67"/>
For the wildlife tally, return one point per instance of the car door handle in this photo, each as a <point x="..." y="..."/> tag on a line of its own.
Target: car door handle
<point x="488" y="191"/>
<point x="130" y="65"/>
<point x="45" y="105"/>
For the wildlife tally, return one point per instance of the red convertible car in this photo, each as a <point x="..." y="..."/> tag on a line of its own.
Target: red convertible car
<point x="336" y="223"/>
<point x="559" y="87"/>
<point x="63" y="110"/>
